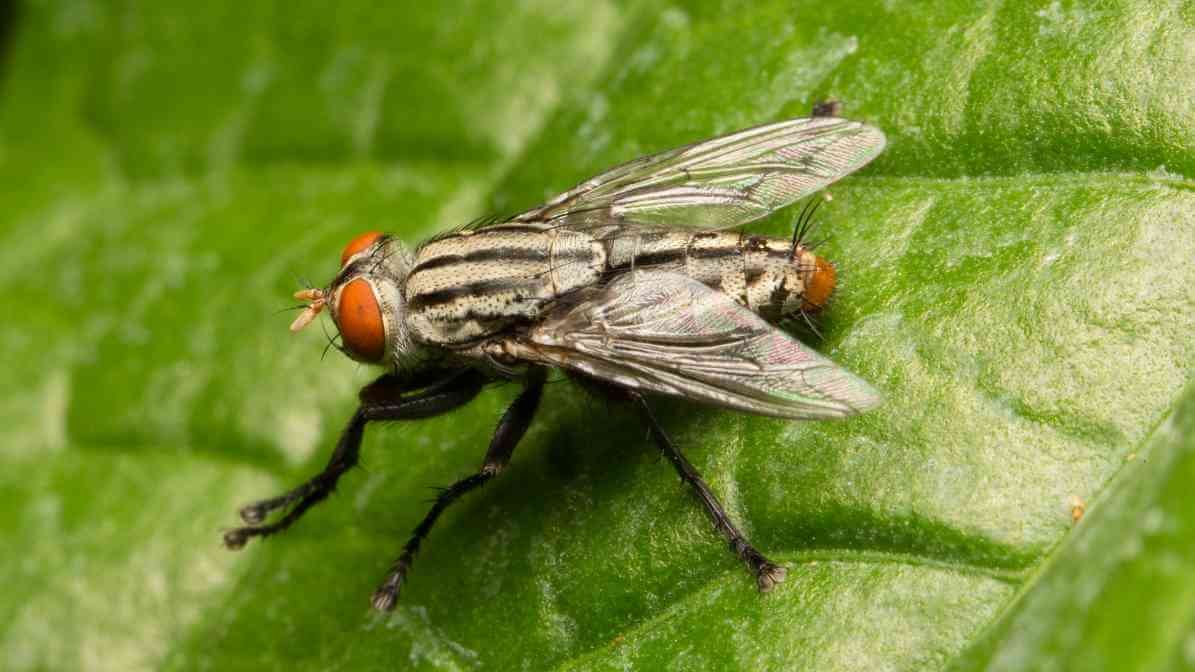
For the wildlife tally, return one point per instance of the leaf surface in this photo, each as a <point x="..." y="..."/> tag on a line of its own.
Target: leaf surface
<point x="1017" y="278"/>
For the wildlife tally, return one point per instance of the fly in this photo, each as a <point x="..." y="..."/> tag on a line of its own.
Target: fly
<point x="631" y="282"/>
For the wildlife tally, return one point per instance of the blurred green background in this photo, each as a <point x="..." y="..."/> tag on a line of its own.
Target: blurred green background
<point x="1018" y="277"/>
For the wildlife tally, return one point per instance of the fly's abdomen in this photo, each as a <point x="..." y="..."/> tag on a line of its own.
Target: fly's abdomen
<point x="765" y="274"/>
<point x="474" y="283"/>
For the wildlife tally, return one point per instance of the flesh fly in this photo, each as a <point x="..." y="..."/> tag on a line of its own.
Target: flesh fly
<point x="633" y="283"/>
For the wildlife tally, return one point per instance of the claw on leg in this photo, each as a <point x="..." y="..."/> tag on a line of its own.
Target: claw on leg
<point x="253" y="513"/>
<point x="768" y="575"/>
<point x="384" y="598"/>
<point x="234" y="540"/>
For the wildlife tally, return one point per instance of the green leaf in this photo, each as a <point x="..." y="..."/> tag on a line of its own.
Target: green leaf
<point x="1017" y="274"/>
<point x="1117" y="594"/>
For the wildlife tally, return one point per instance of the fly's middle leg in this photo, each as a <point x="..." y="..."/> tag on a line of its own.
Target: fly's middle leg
<point x="510" y="431"/>
<point x="767" y="573"/>
<point x="383" y="399"/>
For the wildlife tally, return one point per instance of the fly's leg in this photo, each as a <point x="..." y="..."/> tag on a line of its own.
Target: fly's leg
<point x="382" y="399"/>
<point x="767" y="573"/>
<point x="511" y="428"/>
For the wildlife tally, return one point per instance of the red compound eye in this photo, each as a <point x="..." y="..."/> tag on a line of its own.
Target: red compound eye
<point x="357" y="244"/>
<point x="360" y="321"/>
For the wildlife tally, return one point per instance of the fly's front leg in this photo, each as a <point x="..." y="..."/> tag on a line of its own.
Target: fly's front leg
<point x="767" y="573"/>
<point x="382" y="399"/>
<point x="511" y="428"/>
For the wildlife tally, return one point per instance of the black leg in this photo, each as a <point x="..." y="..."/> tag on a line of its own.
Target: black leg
<point x="767" y="573"/>
<point x="382" y="399"/>
<point x="511" y="428"/>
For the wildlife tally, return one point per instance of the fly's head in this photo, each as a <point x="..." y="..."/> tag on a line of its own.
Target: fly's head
<point x="365" y="300"/>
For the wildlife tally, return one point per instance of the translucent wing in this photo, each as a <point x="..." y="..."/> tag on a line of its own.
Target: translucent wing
<point x="667" y="333"/>
<point x="719" y="183"/>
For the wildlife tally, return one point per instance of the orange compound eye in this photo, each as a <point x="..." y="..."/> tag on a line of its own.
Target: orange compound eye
<point x="360" y="321"/>
<point x="820" y="285"/>
<point x="357" y="244"/>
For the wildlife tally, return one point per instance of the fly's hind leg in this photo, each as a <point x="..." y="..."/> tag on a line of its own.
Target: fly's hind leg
<point x="511" y="428"/>
<point x="767" y="573"/>
<point x="387" y="398"/>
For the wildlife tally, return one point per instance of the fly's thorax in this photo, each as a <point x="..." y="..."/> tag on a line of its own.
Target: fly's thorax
<point x="366" y="301"/>
<point x="472" y="284"/>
